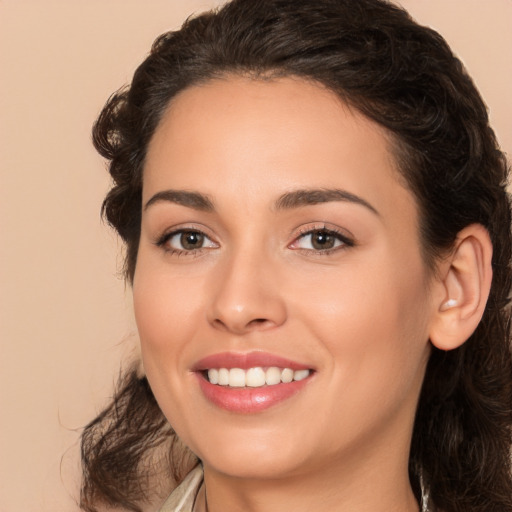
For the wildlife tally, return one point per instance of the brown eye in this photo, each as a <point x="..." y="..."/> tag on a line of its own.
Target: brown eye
<point x="321" y="240"/>
<point x="191" y="240"/>
<point x="186" y="240"/>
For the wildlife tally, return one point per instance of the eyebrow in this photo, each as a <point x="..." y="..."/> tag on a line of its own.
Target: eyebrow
<point x="287" y="201"/>
<point x="193" y="200"/>
<point x="307" y="197"/>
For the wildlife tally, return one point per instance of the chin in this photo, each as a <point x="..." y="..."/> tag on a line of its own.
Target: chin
<point x="251" y="455"/>
<point x="271" y="466"/>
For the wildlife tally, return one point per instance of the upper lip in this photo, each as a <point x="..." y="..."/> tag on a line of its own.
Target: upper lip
<point x="247" y="360"/>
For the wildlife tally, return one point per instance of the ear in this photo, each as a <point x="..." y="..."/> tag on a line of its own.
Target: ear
<point x="461" y="291"/>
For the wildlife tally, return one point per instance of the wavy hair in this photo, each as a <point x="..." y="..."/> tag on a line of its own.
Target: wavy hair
<point x="404" y="77"/>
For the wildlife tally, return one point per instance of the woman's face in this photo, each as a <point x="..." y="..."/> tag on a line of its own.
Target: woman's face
<point x="278" y="243"/>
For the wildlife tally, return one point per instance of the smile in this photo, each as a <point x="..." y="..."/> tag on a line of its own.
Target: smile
<point x="254" y="377"/>
<point x="252" y="382"/>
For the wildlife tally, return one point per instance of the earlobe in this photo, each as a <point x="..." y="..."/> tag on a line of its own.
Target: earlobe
<point x="462" y="289"/>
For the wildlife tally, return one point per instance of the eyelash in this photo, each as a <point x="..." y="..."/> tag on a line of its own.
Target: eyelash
<point x="166" y="237"/>
<point x="346" y="242"/>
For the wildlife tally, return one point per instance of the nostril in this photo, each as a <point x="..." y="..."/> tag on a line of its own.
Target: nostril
<point x="258" y="322"/>
<point x="242" y="326"/>
<point x="220" y="324"/>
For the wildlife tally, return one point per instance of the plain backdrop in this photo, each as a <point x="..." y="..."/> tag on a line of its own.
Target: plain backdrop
<point x="65" y="313"/>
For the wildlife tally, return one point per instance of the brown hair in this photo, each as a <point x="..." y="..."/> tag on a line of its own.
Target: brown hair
<point x="404" y="77"/>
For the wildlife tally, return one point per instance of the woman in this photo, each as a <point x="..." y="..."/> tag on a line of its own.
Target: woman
<point x="318" y="239"/>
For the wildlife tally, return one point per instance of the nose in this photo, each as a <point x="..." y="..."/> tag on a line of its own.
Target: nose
<point x="247" y="295"/>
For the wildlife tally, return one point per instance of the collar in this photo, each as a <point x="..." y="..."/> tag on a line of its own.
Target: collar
<point x="183" y="497"/>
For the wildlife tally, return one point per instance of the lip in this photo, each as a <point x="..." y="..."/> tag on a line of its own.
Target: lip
<point x="246" y="361"/>
<point x="248" y="400"/>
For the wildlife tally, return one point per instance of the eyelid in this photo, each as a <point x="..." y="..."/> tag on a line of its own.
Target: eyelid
<point x="173" y="231"/>
<point x="344" y="236"/>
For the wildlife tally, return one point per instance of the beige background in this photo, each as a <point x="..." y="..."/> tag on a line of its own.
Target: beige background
<point x="65" y="320"/>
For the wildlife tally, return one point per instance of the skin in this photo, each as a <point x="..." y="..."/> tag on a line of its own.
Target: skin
<point x="359" y="315"/>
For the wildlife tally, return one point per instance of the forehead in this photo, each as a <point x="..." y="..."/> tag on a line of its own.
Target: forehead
<point x="258" y="138"/>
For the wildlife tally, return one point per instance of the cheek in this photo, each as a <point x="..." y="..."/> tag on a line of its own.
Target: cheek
<point x="157" y="306"/>
<point x="151" y="303"/>
<point x="163" y="312"/>
<point x="164" y="304"/>
<point x="371" y="317"/>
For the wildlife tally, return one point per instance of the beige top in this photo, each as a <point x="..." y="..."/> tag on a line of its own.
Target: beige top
<point x="183" y="497"/>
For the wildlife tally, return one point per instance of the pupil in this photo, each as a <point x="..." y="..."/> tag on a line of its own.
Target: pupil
<point x="191" y="240"/>
<point x="322" y="240"/>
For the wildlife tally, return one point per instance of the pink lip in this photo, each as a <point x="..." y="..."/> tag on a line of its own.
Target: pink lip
<point x="248" y="400"/>
<point x="245" y="361"/>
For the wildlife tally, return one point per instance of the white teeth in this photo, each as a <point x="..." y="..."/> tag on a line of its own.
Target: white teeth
<point x="224" y="377"/>
<point x="236" y="378"/>
<point x="213" y="375"/>
<point x="287" y="375"/>
<point x="273" y="376"/>
<point x="254" y="377"/>
<point x="300" y="374"/>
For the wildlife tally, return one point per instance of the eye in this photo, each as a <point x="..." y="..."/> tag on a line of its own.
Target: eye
<point x="321" y="240"/>
<point x="185" y="240"/>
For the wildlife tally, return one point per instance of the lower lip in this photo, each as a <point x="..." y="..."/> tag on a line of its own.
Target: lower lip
<point x="249" y="400"/>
